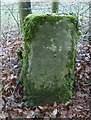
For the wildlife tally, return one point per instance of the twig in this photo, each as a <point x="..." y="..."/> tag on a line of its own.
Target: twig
<point x="12" y="14"/>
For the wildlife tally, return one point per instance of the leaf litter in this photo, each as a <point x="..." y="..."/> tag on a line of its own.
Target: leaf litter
<point x="15" y="104"/>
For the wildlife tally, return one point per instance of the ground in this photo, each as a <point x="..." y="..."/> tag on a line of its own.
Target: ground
<point x="13" y="102"/>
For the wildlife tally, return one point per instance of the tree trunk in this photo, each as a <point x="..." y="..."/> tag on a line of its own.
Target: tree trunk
<point x="24" y="9"/>
<point x="90" y="22"/>
<point x="55" y="6"/>
<point x="0" y="16"/>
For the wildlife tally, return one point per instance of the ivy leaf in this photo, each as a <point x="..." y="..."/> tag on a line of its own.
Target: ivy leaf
<point x="27" y="104"/>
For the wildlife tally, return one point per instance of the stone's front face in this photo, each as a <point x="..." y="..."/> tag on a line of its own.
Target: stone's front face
<point x="47" y="72"/>
<point x="49" y="57"/>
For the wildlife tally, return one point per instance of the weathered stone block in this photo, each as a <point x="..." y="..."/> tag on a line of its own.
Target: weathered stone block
<point x="49" y="57"/>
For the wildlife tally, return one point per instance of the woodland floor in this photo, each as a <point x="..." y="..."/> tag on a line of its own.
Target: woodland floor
<point x="13" y="102"/>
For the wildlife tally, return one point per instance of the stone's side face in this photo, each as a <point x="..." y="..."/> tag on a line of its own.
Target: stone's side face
<point x="48" y="64"/>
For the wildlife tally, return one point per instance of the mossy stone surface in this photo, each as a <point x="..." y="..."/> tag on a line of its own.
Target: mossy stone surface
<point x="48" y="58"/>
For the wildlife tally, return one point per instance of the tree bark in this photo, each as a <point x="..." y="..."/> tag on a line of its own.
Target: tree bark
<point x="24" y="9"/>
<point x="55" y="6"/>
<point x="0" y="15"/>
<point x="90" y="22"/>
